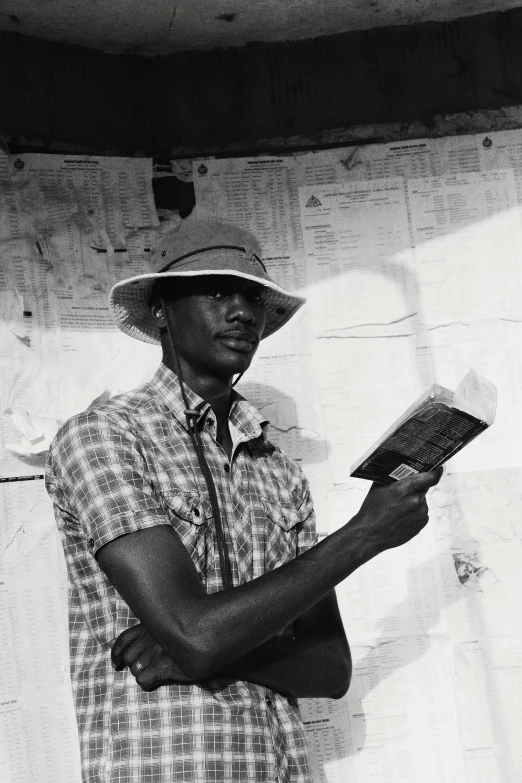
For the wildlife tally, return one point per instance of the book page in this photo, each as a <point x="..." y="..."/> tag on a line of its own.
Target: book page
<point x="480" y="393"/>
<point x="492" y="348"/>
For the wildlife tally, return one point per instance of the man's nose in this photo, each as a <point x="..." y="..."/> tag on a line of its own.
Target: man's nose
<point x="240" y="309"/>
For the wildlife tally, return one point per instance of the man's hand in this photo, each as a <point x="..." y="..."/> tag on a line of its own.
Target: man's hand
<point x="392" y="515"/>
<point x="148" y="662"/>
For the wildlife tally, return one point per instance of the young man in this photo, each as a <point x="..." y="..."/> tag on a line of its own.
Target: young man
<point x="190" y="540"/>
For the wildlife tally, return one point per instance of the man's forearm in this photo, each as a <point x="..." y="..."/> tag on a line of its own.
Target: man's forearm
<point x="303" y="668"/>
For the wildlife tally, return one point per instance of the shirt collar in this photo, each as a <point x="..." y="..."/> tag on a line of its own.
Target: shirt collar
<point x="245" y="417"/>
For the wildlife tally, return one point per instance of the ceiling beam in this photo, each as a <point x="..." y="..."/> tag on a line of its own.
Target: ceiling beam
<point x="79" y="99"/>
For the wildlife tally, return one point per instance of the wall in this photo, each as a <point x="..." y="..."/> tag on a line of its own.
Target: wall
<point x="434" y="626"/>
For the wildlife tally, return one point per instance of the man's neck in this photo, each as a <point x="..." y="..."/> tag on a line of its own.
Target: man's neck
<point x="216" y="391"/>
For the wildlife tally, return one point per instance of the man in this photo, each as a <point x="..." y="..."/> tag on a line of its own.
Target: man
<point x="190" y="539"/>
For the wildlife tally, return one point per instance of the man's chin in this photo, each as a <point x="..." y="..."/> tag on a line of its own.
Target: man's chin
<point x="237" y="362"/>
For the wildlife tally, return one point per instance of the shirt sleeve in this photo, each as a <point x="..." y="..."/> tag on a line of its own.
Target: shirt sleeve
<point x="98" y="477"/>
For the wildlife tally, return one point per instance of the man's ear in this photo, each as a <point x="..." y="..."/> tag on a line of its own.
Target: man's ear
<point x="156" y="310"/>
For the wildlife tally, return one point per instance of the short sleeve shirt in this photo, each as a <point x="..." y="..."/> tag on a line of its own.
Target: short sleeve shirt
<point x="127" y="465"/>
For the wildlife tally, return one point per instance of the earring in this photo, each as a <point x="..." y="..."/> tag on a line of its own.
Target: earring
<point x="157" y="314"/>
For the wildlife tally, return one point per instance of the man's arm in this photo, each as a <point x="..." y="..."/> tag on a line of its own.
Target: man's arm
<point x="314" y="663"/>
<point x="203" y="633"/>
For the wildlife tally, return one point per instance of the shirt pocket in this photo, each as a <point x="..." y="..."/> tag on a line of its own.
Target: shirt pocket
<point x="284" y="521"/>
<point x="190" y="514"/>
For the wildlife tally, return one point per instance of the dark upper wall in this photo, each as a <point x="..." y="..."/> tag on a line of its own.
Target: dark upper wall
<point x="75" y="98"/>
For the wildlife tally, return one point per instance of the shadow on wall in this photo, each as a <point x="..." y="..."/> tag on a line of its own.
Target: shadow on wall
<point x="299" y="442"/>
<point x="384" y="659"/>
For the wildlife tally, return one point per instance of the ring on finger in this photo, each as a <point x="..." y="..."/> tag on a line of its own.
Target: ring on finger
<point x="138" y="666"/>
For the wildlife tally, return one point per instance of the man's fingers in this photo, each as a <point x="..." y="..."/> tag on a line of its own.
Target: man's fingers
<point x="422" y="481"/>
<point x="155" y="672"/>
<point x="120" y="644"/>
<point x="147" y="679"/>
<point x="133" y="652"/>
<point x="141" y="662"/>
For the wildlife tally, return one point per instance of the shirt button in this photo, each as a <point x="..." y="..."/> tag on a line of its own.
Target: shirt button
<point x="91" y="543"/>
<point x="227" y="468"/>
<point x="195" y="511"/>
<point x="210" y="422"/>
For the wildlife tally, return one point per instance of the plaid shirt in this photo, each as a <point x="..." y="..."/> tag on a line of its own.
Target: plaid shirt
<point x="127" y="465"/>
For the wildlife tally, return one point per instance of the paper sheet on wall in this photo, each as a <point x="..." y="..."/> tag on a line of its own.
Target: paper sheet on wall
<point x="72" y="226"/>
<point x="503" y="150"/>
<point x="284" y="388"/>
<point x="36" y="707"/>
<point x="489" y="715"/>
<point x="327" y="725"/>
<point x="403" y="716"/>
<point x="261" y="195"/>
<point x="399" y="594"/>
<point x="406" y="159"/>
<point x="364" y="385"/>
<point x="357" y="249"/>
<point x="479" y="552"/>
<point x="463" y="225"/>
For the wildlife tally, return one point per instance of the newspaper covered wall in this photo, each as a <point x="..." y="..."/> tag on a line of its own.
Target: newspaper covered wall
<point x="408" y="254"/>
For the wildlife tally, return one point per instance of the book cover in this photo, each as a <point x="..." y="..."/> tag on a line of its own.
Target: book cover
<point x="438" y="425"/>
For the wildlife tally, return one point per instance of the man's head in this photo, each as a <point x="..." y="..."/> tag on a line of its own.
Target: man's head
<point x="199" y="248"/>
<point x="213" y="322"/>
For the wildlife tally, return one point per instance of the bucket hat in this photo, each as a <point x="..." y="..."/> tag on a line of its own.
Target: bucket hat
<point x="199" y="246"/>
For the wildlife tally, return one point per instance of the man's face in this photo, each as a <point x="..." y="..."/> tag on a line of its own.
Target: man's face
<point x="216" y="322"/>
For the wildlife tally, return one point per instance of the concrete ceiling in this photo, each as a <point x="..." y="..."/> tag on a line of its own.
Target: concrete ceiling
<point x="158" y="27"/>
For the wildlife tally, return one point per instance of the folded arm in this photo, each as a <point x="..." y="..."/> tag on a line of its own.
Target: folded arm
<point x="204" y="633"/>
<point x="155" y="575"/>
<point x="314" y="663"/>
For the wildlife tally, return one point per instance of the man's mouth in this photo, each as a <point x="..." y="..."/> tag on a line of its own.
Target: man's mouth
<point x="239" y="339"/>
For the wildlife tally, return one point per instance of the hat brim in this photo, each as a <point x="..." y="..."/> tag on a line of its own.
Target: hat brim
<point x="129" y="302"/>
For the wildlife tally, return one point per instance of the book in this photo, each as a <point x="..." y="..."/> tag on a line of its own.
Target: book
<point x="435" y="427"/>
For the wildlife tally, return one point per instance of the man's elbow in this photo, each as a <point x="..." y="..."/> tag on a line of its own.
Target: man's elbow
<point x="342" y="677"/>
<point x="197" y="656"/>
<point x="341" y="686"/>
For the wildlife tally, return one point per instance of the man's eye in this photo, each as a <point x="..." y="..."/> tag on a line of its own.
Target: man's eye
<point x="255" y="296"/>
<point x="215" y="293"/>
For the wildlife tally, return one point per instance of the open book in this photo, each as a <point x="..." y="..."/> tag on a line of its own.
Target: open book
<point x="438" y="424"/>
